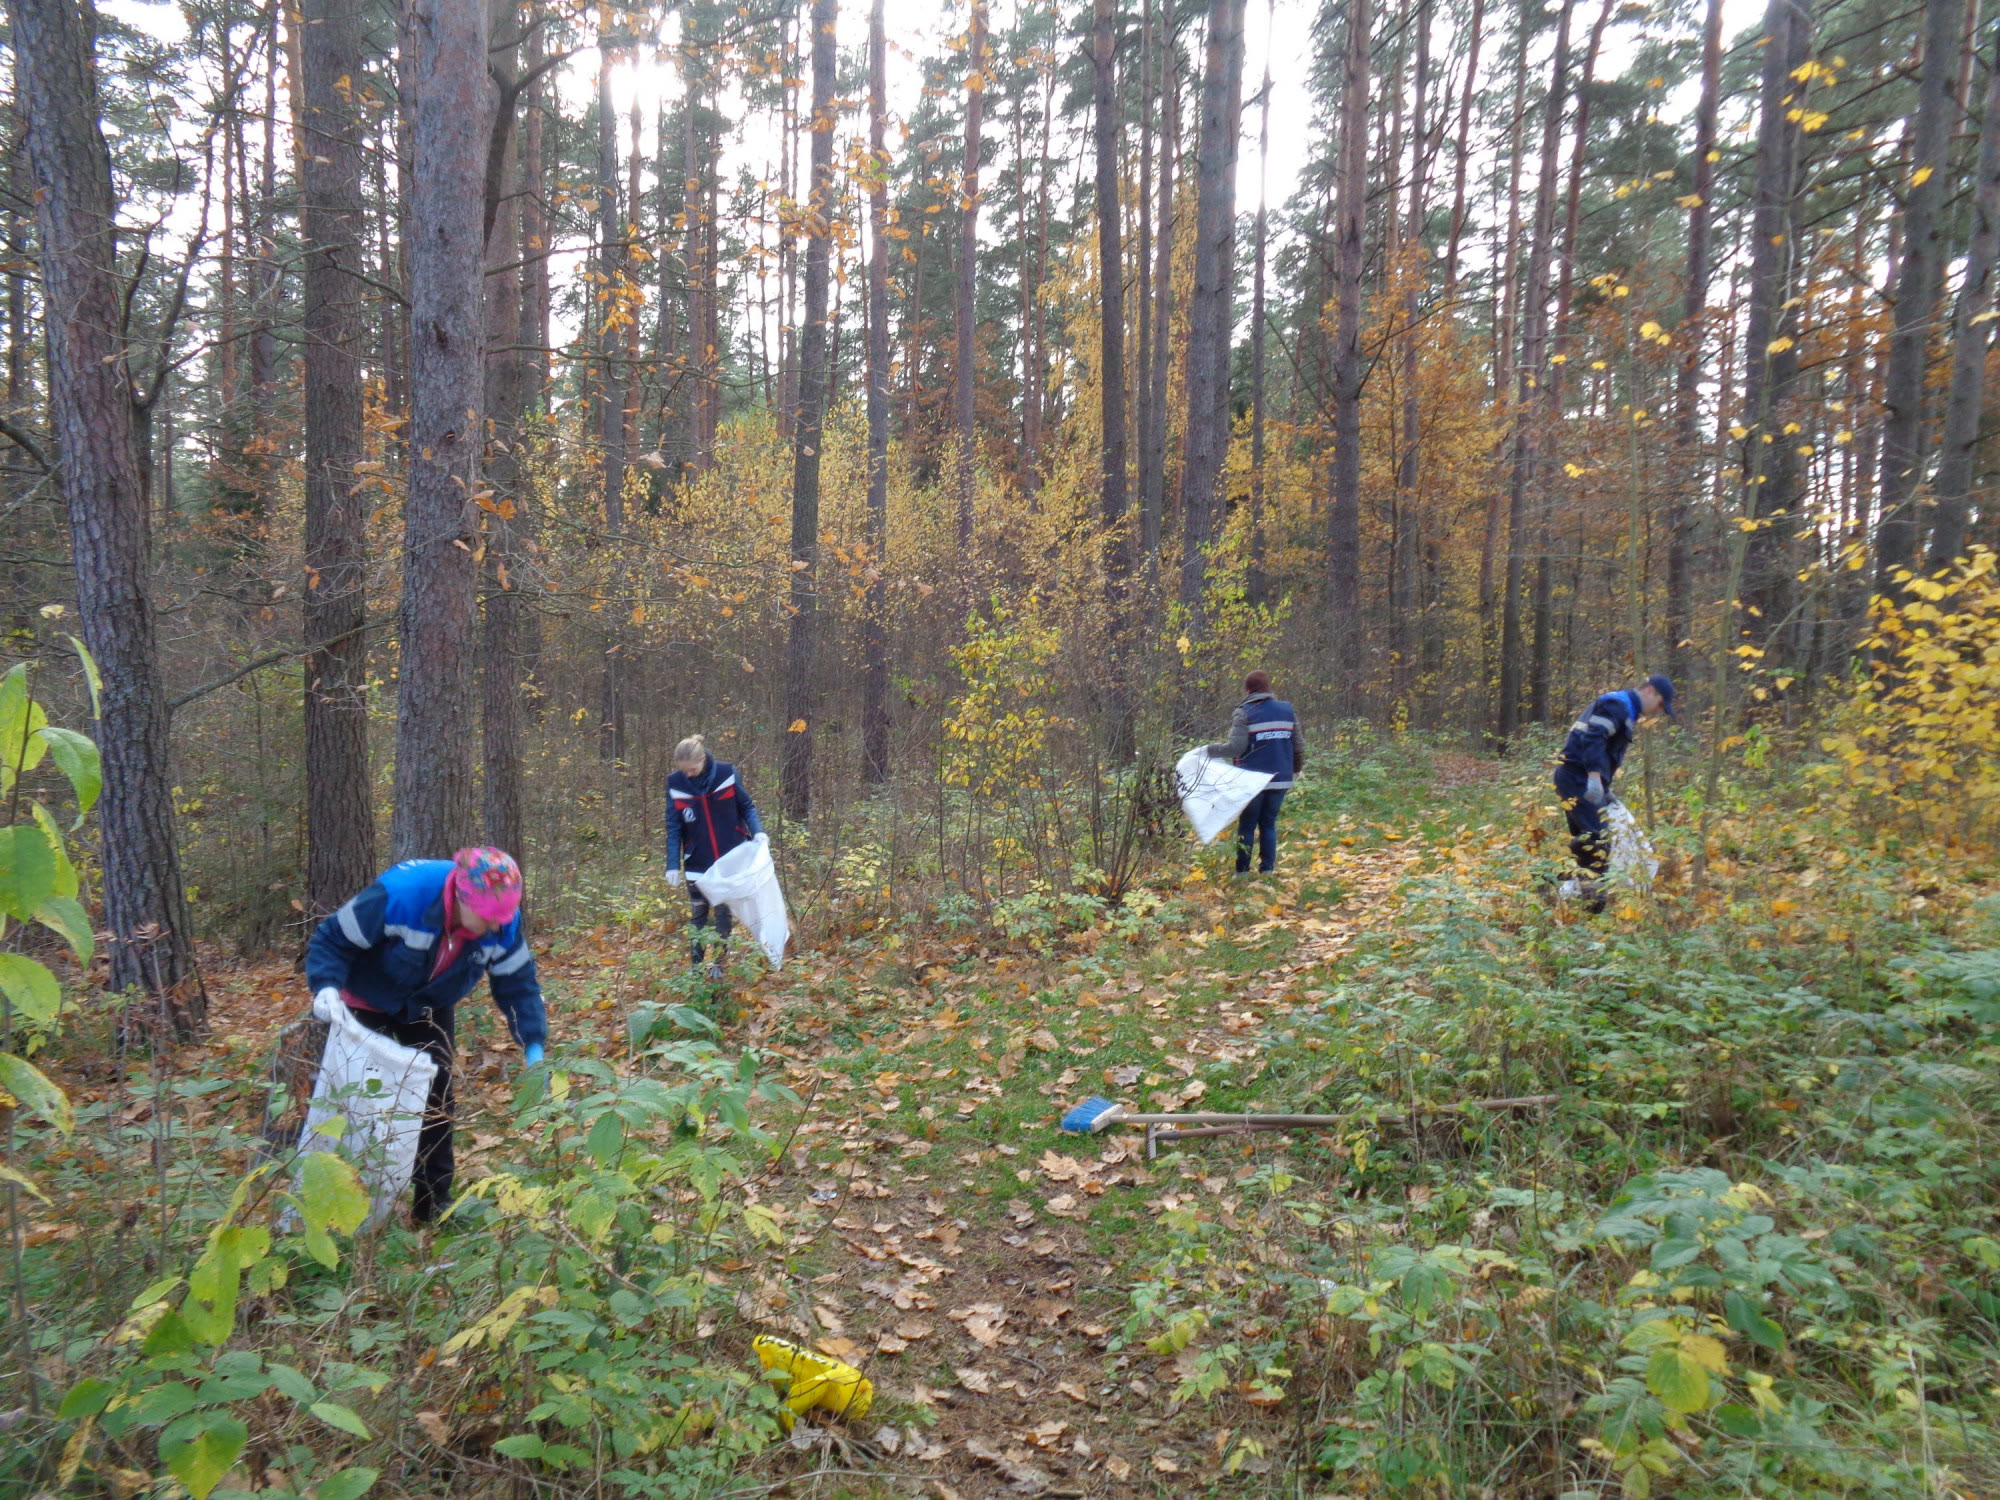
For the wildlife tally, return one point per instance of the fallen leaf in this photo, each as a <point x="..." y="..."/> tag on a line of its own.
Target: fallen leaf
<point x="1043" y="1040"/>
<point x="1072" y="1390"/>
<point x="1117" y="1467"/>
<point x="1165" y="1463"/>
<point x="979" y="1382"/>
<point x="886" y="1344"/>
<point x="1045" y="1434"/>
<point x="1022" y="1477"/>
<point x="435" y="1427"/>
<point x="913" y="1329"/>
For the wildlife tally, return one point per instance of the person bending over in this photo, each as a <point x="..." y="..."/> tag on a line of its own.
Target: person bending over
<point x="401" y="955"/>
<point x="1591" y="755"/>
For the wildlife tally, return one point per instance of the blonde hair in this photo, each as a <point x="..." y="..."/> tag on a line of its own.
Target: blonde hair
<point x="691" y="751"/>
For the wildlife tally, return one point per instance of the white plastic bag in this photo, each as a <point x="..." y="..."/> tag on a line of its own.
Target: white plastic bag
<point x="1213" y="792"/>
<point x="380" y="1088"/>
<point x="1633" y="862"/>
<point x="746" y="881"/>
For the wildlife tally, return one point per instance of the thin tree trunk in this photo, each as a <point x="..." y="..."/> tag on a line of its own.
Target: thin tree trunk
<point x="1403" y="563"/>
<point x="611" y="403"/>
<point x="1464" y="146"/>
<point x="1209" y="310"/>
<point x="1687" y="387"/>
<point x="452" y="104"/>
<point x="507" y="385"/>
<point x="1966" y="402"/>
<point x="91" y="422"/>
<point x="1111" y="314"/>
<point x="1534" y="353"/>
<point x="1255" y="585"/>
<point x="1344" y="511"/>
<point x="874" y="638"/>
<point x="801" y="706"/>
<point x="340" y="817"/>
<point x="1153" y="435"/>
<point x="965" y="372"/>
<point x="1915" y="296"/>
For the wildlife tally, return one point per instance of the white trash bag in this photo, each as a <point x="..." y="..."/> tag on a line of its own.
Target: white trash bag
<point x="746" y="881"/>
<point x="1214" y="792"/>
<point x="380" y="1088"/>
<point x="1633" y="863"/>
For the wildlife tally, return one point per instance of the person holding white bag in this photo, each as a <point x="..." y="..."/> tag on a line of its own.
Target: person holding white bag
<point x="709" y="813"/>
<point x="400" y="956"/>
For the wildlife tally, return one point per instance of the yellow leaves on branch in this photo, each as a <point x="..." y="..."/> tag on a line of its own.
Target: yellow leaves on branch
<point x="1918" y="740"/>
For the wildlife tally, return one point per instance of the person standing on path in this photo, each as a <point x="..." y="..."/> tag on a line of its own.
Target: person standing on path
<point x="1591" y="755"/>
<point x="1264" y="735"/>
<point x="709" y="812"/>
<point x="404" y="952"/>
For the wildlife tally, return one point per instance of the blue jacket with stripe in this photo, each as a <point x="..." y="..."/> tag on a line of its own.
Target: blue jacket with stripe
<point x="708" y="814"/>
<point x="380" y="946"/>
<point x="1598" y="740"/>
<point x="1264" y="735"/>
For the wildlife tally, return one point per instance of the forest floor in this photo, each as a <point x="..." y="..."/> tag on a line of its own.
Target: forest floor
<point x="1040" y="1313"/>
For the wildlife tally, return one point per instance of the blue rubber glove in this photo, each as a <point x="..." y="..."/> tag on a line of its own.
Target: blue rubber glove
<point x="532" y="1052"/>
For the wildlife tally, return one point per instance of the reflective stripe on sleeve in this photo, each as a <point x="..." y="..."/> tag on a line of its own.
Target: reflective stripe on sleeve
<point x="514" y="961"/>
<point x="350" y="926"/>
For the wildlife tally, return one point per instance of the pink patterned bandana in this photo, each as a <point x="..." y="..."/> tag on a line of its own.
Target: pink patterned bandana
<point x="488" y="884"/>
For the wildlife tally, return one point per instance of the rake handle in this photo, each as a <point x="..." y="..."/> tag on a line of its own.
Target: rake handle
<point x="1311" y="1122"/>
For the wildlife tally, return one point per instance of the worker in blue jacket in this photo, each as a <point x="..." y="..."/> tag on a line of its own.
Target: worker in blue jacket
<point x="406" y="950"/>
<point x="709" y="812"/>
<point x="1264" y="735"/>
<point x="1591" y="755"/>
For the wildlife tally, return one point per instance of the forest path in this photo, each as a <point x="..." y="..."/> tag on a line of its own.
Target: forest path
<point x="942" y="1234"/>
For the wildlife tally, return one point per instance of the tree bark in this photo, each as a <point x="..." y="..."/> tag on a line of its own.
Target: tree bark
<point x="1110" y="311"/>
<point x="451" y="107"/>
<point x="1915" y="297"/>
<point x="1464" y="146"/>
<point x="1687" y="386"/>
<point x="874" y="637"/>
<point x="611" y="401"/>
<point x="1403" y="562"/>
<point x="1211" y="307"/>
<point x="91" y="421"/>
<point x="340" y="815"/>
<point x="965" y="362"/>
<point x="1344" y="513"/>
<point x="1531" y="372"/>
<point x="1255" y="585"/>
<point x="1966" y="401"/>
<point x="502" y="607"/>
<point x="1153" y="433"/>
<point x="801" y="705"/>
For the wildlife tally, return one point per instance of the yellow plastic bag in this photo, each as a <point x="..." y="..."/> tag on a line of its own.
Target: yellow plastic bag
<point x="818" y="1381"/>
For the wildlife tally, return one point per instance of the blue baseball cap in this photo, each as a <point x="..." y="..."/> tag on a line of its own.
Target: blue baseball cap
<point x="1662" y="684"/>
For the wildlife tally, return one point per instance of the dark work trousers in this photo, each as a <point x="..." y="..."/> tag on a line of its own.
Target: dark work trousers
<point x="1260" y="822"/>
<point x="1589" y="840"/>
<point x="431" y="1033"/>
<point x="725" y="921"/>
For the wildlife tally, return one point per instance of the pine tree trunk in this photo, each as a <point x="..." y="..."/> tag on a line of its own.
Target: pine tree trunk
<point x="1403" y="563"/>
<point x="1111" y="313"/>
<point x="508" y="377"/>
<point x="1464" y="145"/>
<point x="1915" y="296"/>
<point x="1153" y="435"/>
<point x="1211" y="306"/>
<point x="1344" y="511"/>
<point x="965" y="363"/>
<point x="610" y="404"/>
<point x="874" y="636"/>
<point x="801" y="704"/>
<point x="340" y="817"/>
<point x="1966" y="401"/>
<point x="1255" y="585"/>
<point x="91" y="422"/>
<point x="1687" y="387"/>
<point x="1530" y="374"/>
<point x="435" y="725"/>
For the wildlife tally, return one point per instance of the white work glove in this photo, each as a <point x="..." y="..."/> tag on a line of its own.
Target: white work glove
<point x="675" y="877"/>
<point x="325" y="996"/>
<point x="1594" y="792"/>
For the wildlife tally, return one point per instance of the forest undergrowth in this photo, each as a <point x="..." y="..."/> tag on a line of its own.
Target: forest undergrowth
<point x="1748" y="1248"/>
